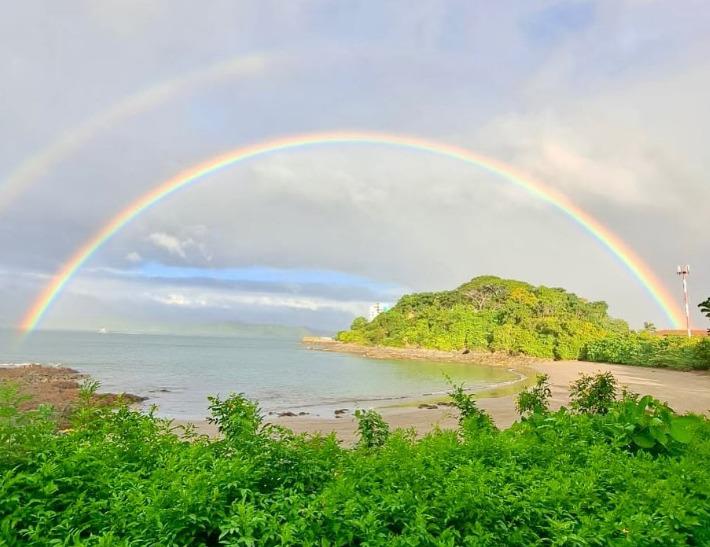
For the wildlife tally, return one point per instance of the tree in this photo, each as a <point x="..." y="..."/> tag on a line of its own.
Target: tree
<point x="358" y="323"/>
<point x="705" y="307"/>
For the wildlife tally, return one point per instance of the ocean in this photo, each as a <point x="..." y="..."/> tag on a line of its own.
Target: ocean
<point x="178" y="373"/>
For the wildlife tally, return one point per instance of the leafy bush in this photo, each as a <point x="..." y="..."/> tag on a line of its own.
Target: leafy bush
<point x="372" y="429"/>
<point x="129" y="478"/>
<point x="650" y="350"/>
<point x="594" y="394"/>
<point x="535" y="399"/>
<point x="650" y="424"/>
<point x="236" y="417"/>
<point x="469" y="413"/>
<point x="21" y="431"/>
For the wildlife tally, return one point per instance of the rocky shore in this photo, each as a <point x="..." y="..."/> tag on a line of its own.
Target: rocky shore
<point x="56" y="386"/>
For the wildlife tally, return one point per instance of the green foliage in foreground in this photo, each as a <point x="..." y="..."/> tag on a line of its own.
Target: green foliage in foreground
<point x="651" y="350"/>
<point x="493" y="314"/>
<point x="121" y="477"/>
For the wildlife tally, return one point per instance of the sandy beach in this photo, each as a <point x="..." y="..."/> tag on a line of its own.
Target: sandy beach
<point x="684" y="391"/>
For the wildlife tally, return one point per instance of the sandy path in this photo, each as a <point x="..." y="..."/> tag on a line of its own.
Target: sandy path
<point x="683" y="391"/>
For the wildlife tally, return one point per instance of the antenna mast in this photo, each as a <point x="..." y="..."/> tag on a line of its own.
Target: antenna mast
<point x="684" y="272"/>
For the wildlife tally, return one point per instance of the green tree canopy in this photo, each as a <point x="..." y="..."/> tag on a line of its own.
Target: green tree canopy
<point x="493" y="314"/>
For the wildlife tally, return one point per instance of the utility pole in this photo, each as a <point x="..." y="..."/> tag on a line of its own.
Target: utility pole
<point x="684" y="272"/>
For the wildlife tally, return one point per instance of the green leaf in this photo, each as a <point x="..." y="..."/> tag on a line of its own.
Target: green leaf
<point x="645" y="401"/>
<point x="659" y="434"/>
<point x="644" y="439"/>
<point x="681" y="429"/>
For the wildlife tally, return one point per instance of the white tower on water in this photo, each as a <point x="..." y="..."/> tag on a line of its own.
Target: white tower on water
<point x="684" y="272"/>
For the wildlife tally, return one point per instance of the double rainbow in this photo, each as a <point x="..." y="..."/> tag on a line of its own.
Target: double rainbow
<point x="634" y="264"/>
<point x="72" y="139"/>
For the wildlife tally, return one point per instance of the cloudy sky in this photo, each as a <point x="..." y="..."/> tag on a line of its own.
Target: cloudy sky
<point x="100" y="101"/>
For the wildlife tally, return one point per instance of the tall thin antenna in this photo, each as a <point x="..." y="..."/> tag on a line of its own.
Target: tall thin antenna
<point x="684" y="272"/>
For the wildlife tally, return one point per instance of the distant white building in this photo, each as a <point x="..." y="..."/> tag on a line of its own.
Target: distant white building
<point x="376" y="309"/>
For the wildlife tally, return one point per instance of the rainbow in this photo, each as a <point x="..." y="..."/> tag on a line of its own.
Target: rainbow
<point x="73" y="138"/>
<point x="634" y="264"/>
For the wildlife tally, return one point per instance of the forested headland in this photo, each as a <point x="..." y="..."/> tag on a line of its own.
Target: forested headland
<point x="503" y="315"/>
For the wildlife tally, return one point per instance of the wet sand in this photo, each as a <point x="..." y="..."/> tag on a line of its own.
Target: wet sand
<point x="683" y="391"/>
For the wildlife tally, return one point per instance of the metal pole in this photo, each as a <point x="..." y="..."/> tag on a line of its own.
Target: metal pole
<point x="684" y="271"/>
<point x="687" y="309"/>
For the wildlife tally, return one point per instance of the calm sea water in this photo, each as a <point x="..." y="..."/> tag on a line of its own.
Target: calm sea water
<point x="177" y="373"/>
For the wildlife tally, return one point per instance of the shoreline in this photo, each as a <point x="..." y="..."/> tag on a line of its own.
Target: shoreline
<point x="324" y="343"/>
<point x="56" y="385"/>
<point x="684" y="391"/>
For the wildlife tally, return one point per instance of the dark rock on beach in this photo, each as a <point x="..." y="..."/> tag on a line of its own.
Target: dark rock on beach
<point x="58" y="387"/>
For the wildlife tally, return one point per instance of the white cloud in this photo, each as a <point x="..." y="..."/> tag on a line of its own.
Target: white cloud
<point x="189" y="244"/>
<point x="177" y="299"/>
<point x="133" y="257"/>
<point x="170" y="243"/>
<point x="200" y="298"/>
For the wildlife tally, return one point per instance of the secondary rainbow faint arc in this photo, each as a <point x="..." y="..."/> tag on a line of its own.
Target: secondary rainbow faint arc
<point x="633" y="263"/>
<point x="73" y="138"/>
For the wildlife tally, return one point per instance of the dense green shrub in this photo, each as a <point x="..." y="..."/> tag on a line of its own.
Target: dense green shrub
<point x="534" y="399"/>
<point x="650" y="350"/>
<point x="372" y="429"/>
<point x="649" y="424"/>
<point x="121" y="477"/>
<point x="469" y="413"/>
<point x="594" y="394"/>
<point x="489" y="313"/>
